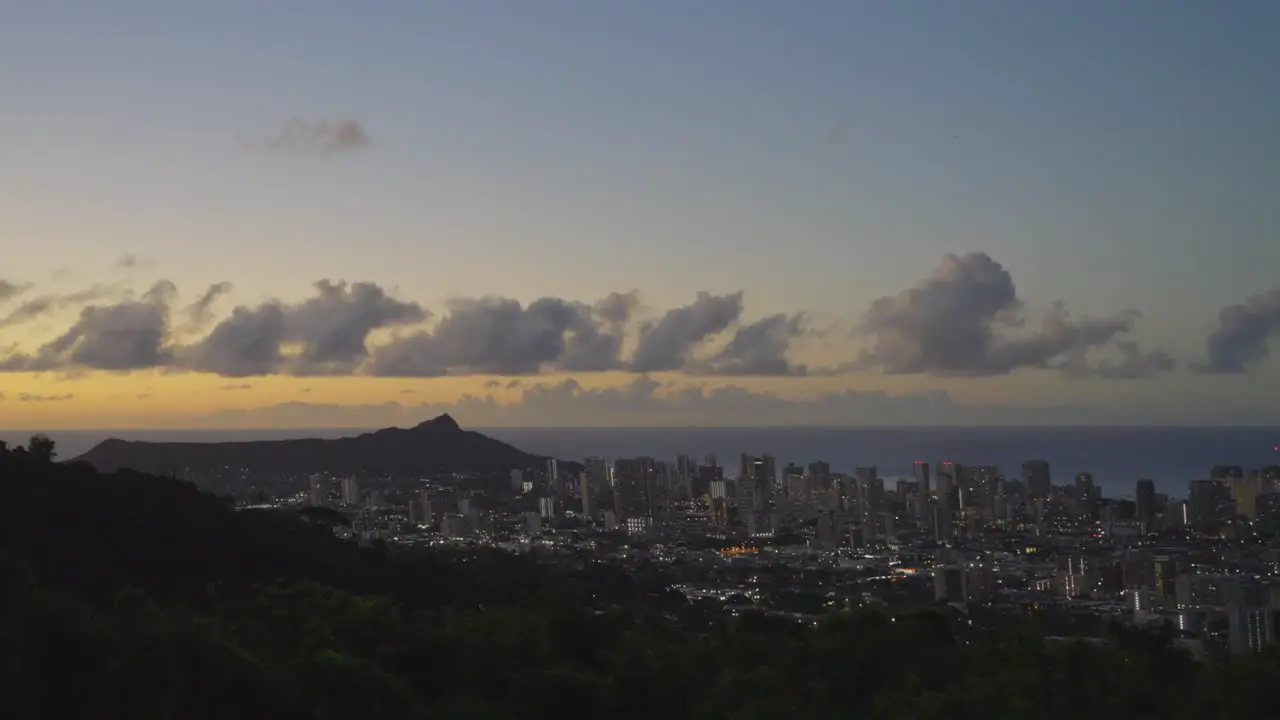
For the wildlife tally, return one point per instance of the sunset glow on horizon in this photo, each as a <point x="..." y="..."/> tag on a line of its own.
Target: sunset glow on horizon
<point x="566" y="214"/>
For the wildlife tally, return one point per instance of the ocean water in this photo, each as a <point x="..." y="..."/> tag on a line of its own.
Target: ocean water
<point x="1117" y="456"/>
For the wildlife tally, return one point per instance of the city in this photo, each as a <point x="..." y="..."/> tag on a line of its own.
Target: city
<point x="801" y="540"/>
<point x="723" y="360"/>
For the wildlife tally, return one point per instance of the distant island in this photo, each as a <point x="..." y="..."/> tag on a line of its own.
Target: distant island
<point x="438" y="445"/>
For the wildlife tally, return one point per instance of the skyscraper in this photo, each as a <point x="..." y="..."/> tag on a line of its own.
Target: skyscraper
<point x="594" y="483"/>
<point x="758" y="477"/>
<point x="871" y="493"/>
<point x="1086" y="497"/>
<point x="797" y="484"/>
<point x="1036" y="478"/>
<point x="584" y="490"/>
<point x="420" y="510"/>
<point x="553" y="478"/>
<point x="706" y="475"/>
<point x="635" y="488"/>
<point x="350" y="491"/>
<point x="920" y="471"/>
<point x="1145" y="497"/>
<point x="1204" y="499"/>
<point x="685" y="472"/>
<point x="821" y="474"/>
<point x="946" y="493"/>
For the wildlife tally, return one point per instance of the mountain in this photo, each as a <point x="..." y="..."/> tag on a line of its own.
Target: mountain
<point x="435" y="446"/>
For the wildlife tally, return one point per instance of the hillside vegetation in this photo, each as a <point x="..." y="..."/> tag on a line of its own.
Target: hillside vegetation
<point x="132" y="596"/>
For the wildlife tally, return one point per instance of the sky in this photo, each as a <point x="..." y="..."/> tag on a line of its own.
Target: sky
<point x="287" y="214"/>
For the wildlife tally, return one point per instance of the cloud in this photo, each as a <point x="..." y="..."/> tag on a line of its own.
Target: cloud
<point x="1243" y="334"/>
<point x="333" y="326"/>
<point x="966" y="319"/>
<point x="200" y="312"/>
<point x="759" y="348"/>
<point x="500" y="336"/>
<point x="49" y="303"/>
<point x="245" y="344"/>
<point x="645" y="401"/>
<point x="130" y="335"/>
<point x="955" y="322"/>
<point x="236" y="386"/>
<point x="330" y="329"/>
<point x="320" y="137"/>
<point x="1134" y="364"/>
<point x="668" y="343"/>
<point x="28" y="397"/>
<point x="128" y="261"/>
<point x="10" y="290"/>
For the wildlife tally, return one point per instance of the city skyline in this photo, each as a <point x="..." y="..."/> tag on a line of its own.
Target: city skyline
<point x="842" y="214"/>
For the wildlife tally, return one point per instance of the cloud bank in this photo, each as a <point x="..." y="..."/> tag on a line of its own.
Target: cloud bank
<point x="964" y="319"/>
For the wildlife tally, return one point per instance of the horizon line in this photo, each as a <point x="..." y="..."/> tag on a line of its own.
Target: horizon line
<point x="942" y="426"/>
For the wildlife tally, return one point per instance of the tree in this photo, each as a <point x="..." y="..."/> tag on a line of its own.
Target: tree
<point x="41" y="449"/>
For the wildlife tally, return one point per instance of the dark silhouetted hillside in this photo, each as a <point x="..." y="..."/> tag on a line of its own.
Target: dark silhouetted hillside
<point x="435" y="446"/>
<point x="126" y="596"/>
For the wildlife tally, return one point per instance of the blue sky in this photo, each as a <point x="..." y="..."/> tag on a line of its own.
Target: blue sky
<point x="817" y="155"/>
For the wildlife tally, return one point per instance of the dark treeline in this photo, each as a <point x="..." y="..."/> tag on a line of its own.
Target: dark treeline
<point x="129" y="596"/>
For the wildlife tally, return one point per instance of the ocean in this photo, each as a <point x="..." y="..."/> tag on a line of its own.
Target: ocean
<point x="1116" y="456"/>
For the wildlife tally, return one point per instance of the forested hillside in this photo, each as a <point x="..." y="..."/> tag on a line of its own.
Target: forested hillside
<point x="130" y="596"/>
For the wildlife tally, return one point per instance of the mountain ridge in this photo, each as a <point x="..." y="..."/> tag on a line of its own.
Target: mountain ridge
<point x="436" y="445"/>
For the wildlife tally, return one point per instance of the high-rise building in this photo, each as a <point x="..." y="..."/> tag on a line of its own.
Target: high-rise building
<point x="1244" y="494"/>
<point x="585" y="493"/>
<point x="1226" y="472"/>
<point x="920" y="471"/>
<point x="1204" y="503"/>
<point x="318" y="491"/>
<point x="755" y="485"/>
<point x="761" y="524"/>
<point x="948" y="495"/>
<point x="635" y="489"/>
<point x="350" y="491"/>
<point x="597" y="481"/>
<point x="1267" y="507"/>
<point x="547" y="507"/>
<point x="983" y="483"/>
<point x="1036" y="478"/>
<point x="685" y="472"/>
<point x="420" y="510"/>
<point x="870" y="495"/>
<point x="719" y="494"/>
<point x="797" y="485"/>
<point x="706" y="475"/>
<point x="554" y="481"/>
<point x="820" y="472"/>
<point x="1086" y="498"/>
<point x="1145" y="499"/>
<point x="598" y="469"/>
<point x="1270" y="478"/>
